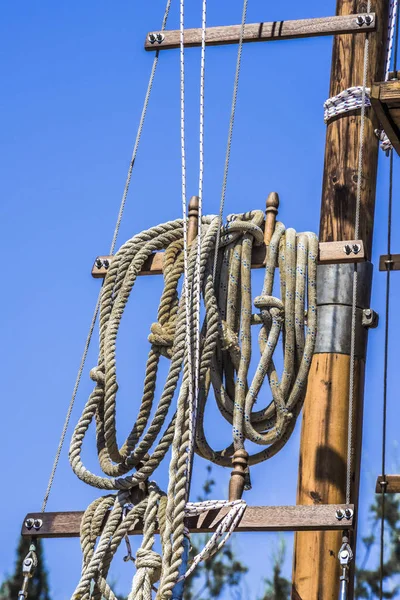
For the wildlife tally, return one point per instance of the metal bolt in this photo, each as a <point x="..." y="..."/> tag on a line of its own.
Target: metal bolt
<point x="356" y="248"/>
<point x="339" y="514"/>
<point x="160" y="37"/>
<point x="360" y="20"/>
<point x="37" y="524"/>
<point x="368" y="19"/>
<point x="98" y="263"/>
<point x="348" y="513"/>
<point x="347" y="249"/>
<point x="29" y="523"/>
<point x="28" y="562"/>
<point x="369" y="318"/>
<point x="152" y="38"/>
<point x="106" y="263"/>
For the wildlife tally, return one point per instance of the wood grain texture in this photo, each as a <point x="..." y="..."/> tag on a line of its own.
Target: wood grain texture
<point x="393" y="484"/>
<point x="329" y="253"/>
<point x="255" y="518"/>
<point x="385" y="99"/>
<point x="264" y="32"/>
<point x="322" y="473"/>
<point x="323" y="455"/>
<point x="343" y="135"/>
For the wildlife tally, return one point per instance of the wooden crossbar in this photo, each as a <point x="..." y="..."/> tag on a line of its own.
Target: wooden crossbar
<point x="264" y="32"/>
<point x="392" y="484"/>
<point x="319" y="517"/>
<point x="329" y="253"/>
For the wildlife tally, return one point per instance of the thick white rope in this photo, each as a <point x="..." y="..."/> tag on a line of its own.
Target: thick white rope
<point x="189" y="344"/>
<point x="197" y="280"/>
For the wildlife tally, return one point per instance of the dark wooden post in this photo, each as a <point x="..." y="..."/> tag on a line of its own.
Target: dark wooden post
<point x="323" y="453"/>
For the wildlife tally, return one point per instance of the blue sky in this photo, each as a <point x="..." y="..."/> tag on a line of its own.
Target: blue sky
<point x="74" y="77"/>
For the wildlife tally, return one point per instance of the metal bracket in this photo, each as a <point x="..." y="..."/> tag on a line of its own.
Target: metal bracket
<point x="389" y="263"/>
<point x="370" y="318"/>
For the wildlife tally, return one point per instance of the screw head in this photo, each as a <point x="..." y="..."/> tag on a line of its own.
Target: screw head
<point x="347" y="249"/>
<point x="160" y="37"/>
<point x="152" y="38"/>
<point x="356" y="248"/>
<point x="348" y="513"/>
<point x="29" y="523"/>
<point x="368" y="19"/>
<point x="339" y="514"/>
<point x="360" y="20"/>
<point x="37" y="523"/>
<point x="98" y="263"/>
<point x="106" y="263"/>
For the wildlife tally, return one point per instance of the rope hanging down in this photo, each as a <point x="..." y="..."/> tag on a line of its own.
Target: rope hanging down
<point x="224" y="357"/>
<point x="345" y="555"/>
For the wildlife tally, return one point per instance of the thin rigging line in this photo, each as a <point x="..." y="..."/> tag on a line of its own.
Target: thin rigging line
<point x="355" y="274"/>
<point x="230" y="133"/>
<point x="385" y="375"/>
<point x="396" y="42"/>
<point x="112" y="248"/>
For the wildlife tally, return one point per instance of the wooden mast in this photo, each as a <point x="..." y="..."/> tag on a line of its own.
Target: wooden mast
<point x="323" y="452"/>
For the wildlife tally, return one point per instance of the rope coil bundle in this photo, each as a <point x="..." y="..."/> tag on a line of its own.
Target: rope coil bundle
<point x="225" y="355"/>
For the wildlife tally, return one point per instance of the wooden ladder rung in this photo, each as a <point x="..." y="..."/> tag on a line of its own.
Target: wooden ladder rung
<point x="319" y="517"/>
<point x="392" y="484"/>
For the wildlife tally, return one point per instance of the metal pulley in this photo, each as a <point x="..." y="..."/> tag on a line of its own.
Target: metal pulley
<point x="345" y="557"/>
<point x="28" y="568"/>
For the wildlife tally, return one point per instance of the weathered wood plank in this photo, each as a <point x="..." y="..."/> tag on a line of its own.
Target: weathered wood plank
<point x="385" y="99"/>
<point x="265" y="32"/>
<point x="393" y="484"/>
<point x="255" y="518"/>
<point x="329" y="253"/>
<point x="395" y="262"/>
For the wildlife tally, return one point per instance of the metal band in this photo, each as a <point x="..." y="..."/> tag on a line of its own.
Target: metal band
<point x="334" y="317"/>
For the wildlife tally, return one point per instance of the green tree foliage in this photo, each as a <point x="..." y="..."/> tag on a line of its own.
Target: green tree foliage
<point x="38" y="584"/>
<point x="368" y="578"/>
<point x="278" y="587"/>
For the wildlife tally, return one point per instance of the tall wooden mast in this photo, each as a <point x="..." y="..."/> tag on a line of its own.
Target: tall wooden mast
<point x="323" y="453"/>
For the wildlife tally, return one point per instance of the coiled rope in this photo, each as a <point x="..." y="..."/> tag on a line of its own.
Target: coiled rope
<point x="225" y="354"/>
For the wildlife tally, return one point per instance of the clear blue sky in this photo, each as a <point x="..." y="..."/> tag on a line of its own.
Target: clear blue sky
<point x="74" y="76"/>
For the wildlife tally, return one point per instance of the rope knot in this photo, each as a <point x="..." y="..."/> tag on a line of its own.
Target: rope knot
<point x="97" y="375"/>
<point x="230" y="339"/>
<point x="150" y="560"/>
<point x="163" y="338"/>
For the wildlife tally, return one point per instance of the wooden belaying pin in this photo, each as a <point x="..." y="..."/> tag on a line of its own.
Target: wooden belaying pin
<point x="240" y="461"/>
<point x="193" y="215"/>
<point x="271" y="212"/>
